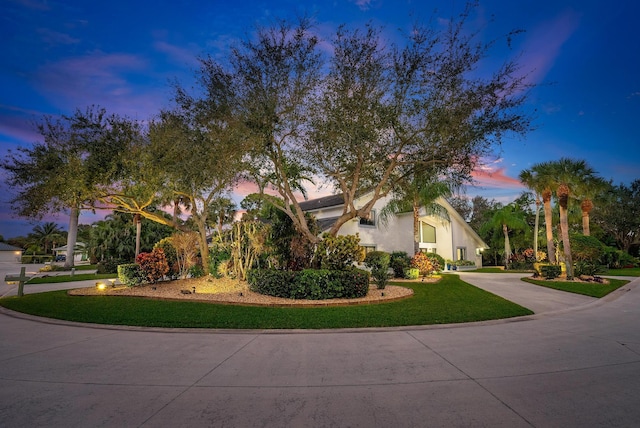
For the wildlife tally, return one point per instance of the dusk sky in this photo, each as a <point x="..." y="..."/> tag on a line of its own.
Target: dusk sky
<point x="584" y="55"/>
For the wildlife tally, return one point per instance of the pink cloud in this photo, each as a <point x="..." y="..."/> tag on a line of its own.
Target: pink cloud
<point x="490" y="176"/>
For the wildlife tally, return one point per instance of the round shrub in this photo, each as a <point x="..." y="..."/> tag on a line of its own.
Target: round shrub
<point x="421" y="262"/>
<point x="378" y="262"/>
<point x="399" y="262"/>
<point x="437" y="262"/>
<point x="586" y="248"/>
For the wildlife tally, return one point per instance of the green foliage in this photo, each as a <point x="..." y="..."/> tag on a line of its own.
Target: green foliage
<point x="550" y="271"/>
<point x="217" y="255"/>
<point x="412" y="273"/>
<point x="130" y="274"/>
<point x="153" y="265"/>
<point x="588" y="268"/>
<point x="166" y="245"/>
<point x="378" y="262"/>
<point x="313" y="284"/>
<point x="586" y="248"/>
<point x="437" y="261"/>
<point x="399" y="262"/>
<point x="618" y="259"/>
<point x="338" y="252"/>
<point x="421" y="262"/>
<point x="108" y="266"/>
<point x="196" y="271"/>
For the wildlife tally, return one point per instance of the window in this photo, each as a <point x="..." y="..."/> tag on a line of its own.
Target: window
<point x="366" y="249"/>
<point x="369" y="221"/>
<point x="427" y="233"/>
<point x="461" y="253"/>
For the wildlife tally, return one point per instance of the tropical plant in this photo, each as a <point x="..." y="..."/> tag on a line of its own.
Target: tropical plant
<point x="222" y="212"/>
<point x="186" y="251"/>
<point x="153" y="265"/>
<point x="47" y="234"/>
<point x="506" y="218"/>
<point x="423" y="263"/>
<point x="338" y="252"/>
<point x="378" y="262"/>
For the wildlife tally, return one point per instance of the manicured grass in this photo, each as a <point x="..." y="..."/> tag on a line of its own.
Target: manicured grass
<point x="623" y="272"/>
<point x="68" y="278"/>
<point x="448" y="301"/>
<point x="588" y="289"/>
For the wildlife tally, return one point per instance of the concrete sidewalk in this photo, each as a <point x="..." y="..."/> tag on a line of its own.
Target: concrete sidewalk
<point x="567" y="368"/>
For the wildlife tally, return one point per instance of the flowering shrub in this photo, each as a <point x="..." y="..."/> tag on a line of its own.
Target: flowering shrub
<point x="423" y="263"/>
<point x="153" y="265"/>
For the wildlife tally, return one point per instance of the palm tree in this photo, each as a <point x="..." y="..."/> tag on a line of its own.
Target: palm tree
<point x="542" y="178"/>
<point x="421" y="192"/>
<point x="569" y="175"/>
<point x="47" y="233"/>
<point x="508" y="218"/>
<point x="221" y="211"/>
<point x="527" y="177"/>
<point x="586" y="191"/>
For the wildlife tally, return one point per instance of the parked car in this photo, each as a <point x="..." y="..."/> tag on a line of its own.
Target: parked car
<point x="61" y="258"/>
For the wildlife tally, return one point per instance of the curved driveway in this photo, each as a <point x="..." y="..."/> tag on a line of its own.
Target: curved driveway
<point x="564" y="367"/>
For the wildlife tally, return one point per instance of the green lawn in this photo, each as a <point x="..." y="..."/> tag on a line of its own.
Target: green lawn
<point x="623" y="272"/>
<point x="69" y="278"/>
<point x="448" y="301"/>
<point x="588" y="289"/>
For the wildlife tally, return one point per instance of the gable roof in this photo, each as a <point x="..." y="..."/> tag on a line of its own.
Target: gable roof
<point x="6" y="247"/>
<point x="338" y="200"/>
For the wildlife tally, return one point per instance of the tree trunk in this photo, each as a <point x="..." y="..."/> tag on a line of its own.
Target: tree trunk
<point x="536" y="228"/>
<point x="563" y="200"/>
<point x="138" y="222"/>
<point x="507" y="246"/>
<point x="548" y="223"/>
<point x="416" y="229"/>
<point x="586" y="207"/>
<point x="72" y="236"/>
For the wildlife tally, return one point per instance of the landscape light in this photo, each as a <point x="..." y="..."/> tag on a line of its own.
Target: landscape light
<point x="101" y="285"/>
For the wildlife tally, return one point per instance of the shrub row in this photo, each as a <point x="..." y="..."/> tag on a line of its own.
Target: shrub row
<point x="312" y="284"/>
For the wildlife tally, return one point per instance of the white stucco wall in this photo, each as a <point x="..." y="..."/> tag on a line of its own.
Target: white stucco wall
<point x="397" y="235"/>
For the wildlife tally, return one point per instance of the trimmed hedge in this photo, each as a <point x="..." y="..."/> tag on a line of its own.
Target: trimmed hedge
<point x="130" y="274"/>
<point x="311" y="284"/>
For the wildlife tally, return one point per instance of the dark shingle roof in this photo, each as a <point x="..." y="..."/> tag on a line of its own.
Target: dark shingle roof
<point x="7" y="247"/>
<point x="326" y="223"/>
<point x="327" y="201"/>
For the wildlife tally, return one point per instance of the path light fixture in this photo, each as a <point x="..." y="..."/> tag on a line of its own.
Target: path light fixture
<point x="101" y="286"/>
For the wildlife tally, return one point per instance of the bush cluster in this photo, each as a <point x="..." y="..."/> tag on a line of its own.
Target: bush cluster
<point x="378" y="262"/>
<point x="153" y="265"/>
<point x="399" y="262"/>
<point x="313" y="284"/>
<point x="338" y="252"/>
<point x="108" y="266"/>
<point x="423" y="263"/>
<point x="130" y="274"/>
<point x="437" y="261"/>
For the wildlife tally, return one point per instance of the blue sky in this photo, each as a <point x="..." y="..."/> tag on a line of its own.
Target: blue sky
<point x="121" y="55"/>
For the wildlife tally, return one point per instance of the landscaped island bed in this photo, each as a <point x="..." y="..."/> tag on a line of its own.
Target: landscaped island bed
<point x="234" y="292"/>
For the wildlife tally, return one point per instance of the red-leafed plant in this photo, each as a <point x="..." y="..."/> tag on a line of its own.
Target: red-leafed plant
<point x="154" y="265"/>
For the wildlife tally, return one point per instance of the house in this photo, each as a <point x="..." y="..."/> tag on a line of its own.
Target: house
<point x="79" y="252"/>
<point x="9" y="253"/>
<point x="451" y="238"/>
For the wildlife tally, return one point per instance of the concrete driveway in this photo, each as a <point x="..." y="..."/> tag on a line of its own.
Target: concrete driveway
<point x="564" y="368"/>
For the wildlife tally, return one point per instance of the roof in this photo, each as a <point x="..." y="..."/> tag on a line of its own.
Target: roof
<point x="324" y="202"/>
<point x="326" y="223"/>
<point x="7" y="247"/>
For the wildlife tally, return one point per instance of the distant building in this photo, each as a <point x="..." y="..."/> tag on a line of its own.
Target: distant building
<point x="9" y="253"/>
<point x="79" y="253"/>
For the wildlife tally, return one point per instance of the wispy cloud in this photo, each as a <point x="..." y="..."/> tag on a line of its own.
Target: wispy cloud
<point x="545" y="42"/>
<point x="363" y="4"/>
<point x="34" y="4"/>
<point x="492" y="175"/>
<point x="54" y="38"/>
<point x="109" y="80"/>
<point x="177" y="54"/>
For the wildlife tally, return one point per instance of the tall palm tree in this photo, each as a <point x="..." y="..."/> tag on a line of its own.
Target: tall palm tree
<point x="507" y="218"/>
<point x="586" y="191"/>
<point x="569" y="174"/>
<point x="542" y="178"/>
<point x="527" y="177"/>
<point x="47" y="233"/>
